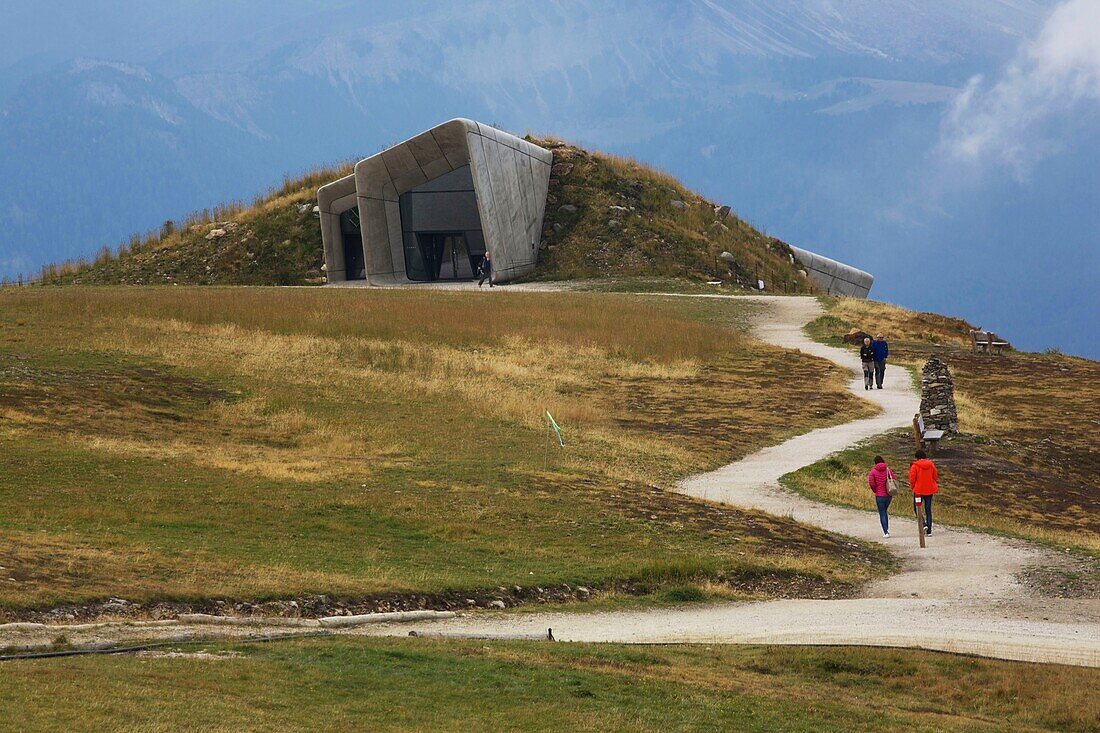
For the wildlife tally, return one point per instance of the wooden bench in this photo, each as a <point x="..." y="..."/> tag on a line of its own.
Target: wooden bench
<point x="924" y="437"/>
<point x="986" y="342"/>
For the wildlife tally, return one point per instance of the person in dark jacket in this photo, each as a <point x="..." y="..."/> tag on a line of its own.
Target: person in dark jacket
<point x="882" y="350"/>
<point x="878" y="478"/>
<point x="924" y="480"/>
<point x="485" y="270"/>
<point x="867" y="357"/>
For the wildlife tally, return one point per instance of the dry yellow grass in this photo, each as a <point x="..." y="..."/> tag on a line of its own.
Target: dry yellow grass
<point x="900" y="324"/>
<point x="288" y="439"/>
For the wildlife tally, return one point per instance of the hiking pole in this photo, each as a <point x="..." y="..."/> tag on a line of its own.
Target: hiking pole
<point x="918" y="509"/>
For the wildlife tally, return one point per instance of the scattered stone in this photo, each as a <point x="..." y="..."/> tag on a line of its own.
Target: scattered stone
<point x="614" y="207"/>
<point x="721" y="211"/>
<point x="855" y="336"/>
<point x="614" y="223"/>
<point x="937" y="397"/>
<point x="497" y="604"/>
<point x="677" y="204"/>
<point x="215" y="233"/>
<point x="561" y="169"/>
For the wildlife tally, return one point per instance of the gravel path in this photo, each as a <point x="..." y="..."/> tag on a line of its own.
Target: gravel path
<point x="960" y="594"/>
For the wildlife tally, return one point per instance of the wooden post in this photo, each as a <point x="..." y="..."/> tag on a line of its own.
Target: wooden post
<point x="918" y="439"/>
<point x="989" y="342"/>
<point x="918" y="509"/>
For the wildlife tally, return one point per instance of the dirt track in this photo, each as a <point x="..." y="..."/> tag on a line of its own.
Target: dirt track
<point x="959" y="594"/>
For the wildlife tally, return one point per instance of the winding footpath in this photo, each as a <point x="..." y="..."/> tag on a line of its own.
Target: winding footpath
<point x="960" y="594"/>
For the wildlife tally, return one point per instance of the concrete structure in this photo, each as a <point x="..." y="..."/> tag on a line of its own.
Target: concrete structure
<point x="429" y="208"/>
<point x="832" y="277"/>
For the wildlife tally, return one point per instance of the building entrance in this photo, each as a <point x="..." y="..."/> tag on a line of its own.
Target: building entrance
<point x="446" y="256"/>
<point x="355" y="266"/>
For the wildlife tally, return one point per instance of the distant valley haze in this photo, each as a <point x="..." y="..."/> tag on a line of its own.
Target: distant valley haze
<point x="950" y="147"/>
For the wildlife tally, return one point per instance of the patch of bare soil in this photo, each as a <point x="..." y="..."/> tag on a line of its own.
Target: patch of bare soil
<point x="1065" y="576"/>
<point x="202" y="654"/>
<point x="93" y="394"/>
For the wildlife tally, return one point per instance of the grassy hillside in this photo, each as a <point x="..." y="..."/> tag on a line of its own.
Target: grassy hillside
<point x="1027" y="461"/>
<point x="606" y="217"/>
<point x="254" y="443"/>
<point x="419" y="684"/>
<point x="275" y="241"/>
<point x="609" y="216"/>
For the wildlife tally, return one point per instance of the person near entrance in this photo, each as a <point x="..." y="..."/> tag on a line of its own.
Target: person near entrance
<point x="485" y="270"/>
<point x="924" y="480"/>
<point x="882" y="350"/>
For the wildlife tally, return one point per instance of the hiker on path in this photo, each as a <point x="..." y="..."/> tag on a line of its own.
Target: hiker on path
<point x="924" y="480"/>
<point x="882" y="350"/>
<point x="485" y="270"/>
<point x="882" y="479"/>
<point x="867" y="356"/>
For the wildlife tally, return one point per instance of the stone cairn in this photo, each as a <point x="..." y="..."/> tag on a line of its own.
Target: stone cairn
<point x="937" y="397"/>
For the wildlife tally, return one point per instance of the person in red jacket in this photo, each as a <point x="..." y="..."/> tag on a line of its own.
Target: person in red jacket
<point x="877" y="478"/>
<point x="924" y="480"/>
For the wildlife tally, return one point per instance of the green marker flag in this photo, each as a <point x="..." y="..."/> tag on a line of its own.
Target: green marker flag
<point x="557" y="430"/>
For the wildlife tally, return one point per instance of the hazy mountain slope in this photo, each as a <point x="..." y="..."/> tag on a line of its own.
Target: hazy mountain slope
<point x="820" y="119"/>
<point x="108" y="145"/>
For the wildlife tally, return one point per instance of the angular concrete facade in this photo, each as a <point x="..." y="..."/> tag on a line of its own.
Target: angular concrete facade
<point x="832" y="277"/>
<point x="510" y="179"/>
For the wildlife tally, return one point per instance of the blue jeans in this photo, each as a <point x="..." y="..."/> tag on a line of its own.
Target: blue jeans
<point x="883" y="504"/>
<point x="927" y="501"/>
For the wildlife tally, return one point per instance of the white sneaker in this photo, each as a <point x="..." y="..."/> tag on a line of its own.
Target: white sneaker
<point x="885" y="534"/>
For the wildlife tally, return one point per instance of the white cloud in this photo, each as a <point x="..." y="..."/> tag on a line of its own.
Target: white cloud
<point x="1003" y="122"/>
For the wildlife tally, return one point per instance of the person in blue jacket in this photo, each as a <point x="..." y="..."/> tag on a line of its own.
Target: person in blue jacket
<point x="882" y="350"/>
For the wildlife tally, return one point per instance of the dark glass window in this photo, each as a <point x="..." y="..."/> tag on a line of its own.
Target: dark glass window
<point x="354" y="263"/>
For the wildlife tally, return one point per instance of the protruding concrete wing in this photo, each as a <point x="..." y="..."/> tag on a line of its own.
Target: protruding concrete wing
<point x="333" y="199"/>
<point x="832" y="277"/>
<point x="510" y="178"/>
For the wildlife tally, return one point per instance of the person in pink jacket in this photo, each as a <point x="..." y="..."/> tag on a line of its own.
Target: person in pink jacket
<point x="877" y="478"/>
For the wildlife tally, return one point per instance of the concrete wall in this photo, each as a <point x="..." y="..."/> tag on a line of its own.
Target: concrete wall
<point x="510" y="176"/>
<point x="832" y="277"/>
<point x="334" y="199"/>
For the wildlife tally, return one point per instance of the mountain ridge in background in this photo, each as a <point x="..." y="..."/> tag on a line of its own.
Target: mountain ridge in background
<point x="820" y="121"/>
